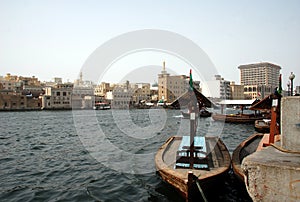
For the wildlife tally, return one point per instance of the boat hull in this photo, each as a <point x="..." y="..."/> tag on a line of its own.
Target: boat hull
<point x="244" y="149"/>
<point x="255" y="142"/>
<point x="236" y="118"/>
<point x="178" y="178"/>
<point x="262" y="126"/>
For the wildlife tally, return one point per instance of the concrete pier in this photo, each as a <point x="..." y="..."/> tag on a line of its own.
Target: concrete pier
<point x="274" y="175"/>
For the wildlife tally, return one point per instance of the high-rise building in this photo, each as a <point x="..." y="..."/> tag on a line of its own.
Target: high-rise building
<point x="259" y="79"/>
<point x="263" y="73"/>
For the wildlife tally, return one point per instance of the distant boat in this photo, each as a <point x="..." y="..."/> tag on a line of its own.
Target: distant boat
<point x="202" y="113"/>
<point x="262" y="126"/>
<point x="237" y="118"/>
<point x="102" y="106"/>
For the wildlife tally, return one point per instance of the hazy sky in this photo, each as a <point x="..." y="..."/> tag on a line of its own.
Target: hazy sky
<point x="54" y="38"/>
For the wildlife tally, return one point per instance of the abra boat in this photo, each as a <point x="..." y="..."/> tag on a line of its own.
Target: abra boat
<point x="211" y="164"/>
<point x="262" y="126"/>
<point x="193" y="164"/>
<point x="236" y="118"/>
<point x="254" y="143"/>
<point x="202" y="113"/>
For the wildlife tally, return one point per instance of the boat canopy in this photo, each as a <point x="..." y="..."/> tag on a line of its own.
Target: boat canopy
<point x="185" y="98"/>
<point x="265" y="103"/>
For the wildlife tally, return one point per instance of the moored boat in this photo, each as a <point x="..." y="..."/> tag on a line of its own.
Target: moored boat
<point x="193" y="165"/>
<point x="210" y="168"/>
<point x="254" y="143"/>
<point x="262" y="126"/>
<point x="244" y="149"/>
<point x="258" y="141"/>
<point x="202" y="113"/>
<point x="237" y="118"/>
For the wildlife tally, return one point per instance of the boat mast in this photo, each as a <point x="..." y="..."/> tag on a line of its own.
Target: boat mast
<point x="193" y="122"/>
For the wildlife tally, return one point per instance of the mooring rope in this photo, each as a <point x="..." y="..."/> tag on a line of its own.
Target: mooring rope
<point x="200" y="189"/>
<point x="284" y="150"/>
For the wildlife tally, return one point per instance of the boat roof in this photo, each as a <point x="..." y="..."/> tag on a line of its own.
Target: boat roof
<point x="265" y="103"/>
<point x="185" y="98"/>
<point x="237" y="102"/>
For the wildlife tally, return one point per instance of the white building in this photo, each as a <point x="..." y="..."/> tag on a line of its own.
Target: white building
<point x="217" y="88"/>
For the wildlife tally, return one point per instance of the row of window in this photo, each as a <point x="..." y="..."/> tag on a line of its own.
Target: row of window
<point x="61" y="102"/>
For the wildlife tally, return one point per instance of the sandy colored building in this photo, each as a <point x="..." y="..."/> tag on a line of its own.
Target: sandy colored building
<point x="171" y="87"/>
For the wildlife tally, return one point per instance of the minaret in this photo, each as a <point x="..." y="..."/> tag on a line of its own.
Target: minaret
<point x="163" y="72"/>
<point x="164" y="68"/>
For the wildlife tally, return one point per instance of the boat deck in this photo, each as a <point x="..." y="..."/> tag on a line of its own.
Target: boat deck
<point x="215" y="157"/>
<point x="219" y="162"/>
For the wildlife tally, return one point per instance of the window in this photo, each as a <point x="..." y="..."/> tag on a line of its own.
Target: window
<point x="57" y="93"/>
<point x="64" y="93"/>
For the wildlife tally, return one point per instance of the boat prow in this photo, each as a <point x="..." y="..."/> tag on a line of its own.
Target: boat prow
<point x="209" y="169"/>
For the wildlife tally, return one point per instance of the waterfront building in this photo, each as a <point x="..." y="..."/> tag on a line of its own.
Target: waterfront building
<point x="127" y="94"/>
<point x="101" y="89"/>
<point x="171" y="87"/>
<point x="259" y="79"/>
<point x="141" y="92"/>
<point x="83" y="94"/>
<point x="154" y="92"/>
<point x="217" y="88"/>
<point x="121" y="96"/>
<point x="11" y="100"/>
<point x="26" y="85"/>
<point x="58" y="97"/>
<point x="236" y="91"/>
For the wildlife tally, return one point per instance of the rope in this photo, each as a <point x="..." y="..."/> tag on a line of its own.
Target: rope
<point x="200" y="189"/>
<point x="284" y="150"/>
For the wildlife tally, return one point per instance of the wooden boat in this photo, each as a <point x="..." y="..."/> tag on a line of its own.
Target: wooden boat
<point x="205" y="113"/>
<point x="202" y="113"/>
<point x="191" y="162"/>
<point x="247" y="147"/>
<point x="255" y="142"/>
<point x="262" y="126"/>
<point x="211" y="166"/>
<point x="237" y="118"/>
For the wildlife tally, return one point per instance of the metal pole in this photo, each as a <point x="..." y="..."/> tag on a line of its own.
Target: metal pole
<point x="291" y="87"/>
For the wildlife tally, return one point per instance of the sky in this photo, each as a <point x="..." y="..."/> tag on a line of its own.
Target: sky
<point x="50" y="39"/>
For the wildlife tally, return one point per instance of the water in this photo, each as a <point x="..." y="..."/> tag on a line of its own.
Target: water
<point x="96" y="155"/>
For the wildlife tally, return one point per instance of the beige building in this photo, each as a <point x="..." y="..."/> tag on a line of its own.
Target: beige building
<point x="58" y="97"/>
<point x="171" y="87"/>
<point x="236" y="91"/>
<point x="141" y="92"/>
<point x="26" y="85"/>
<point x="10" y="100"/>
<point x="121" y="96"/>
<point x="103" y="88"/>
